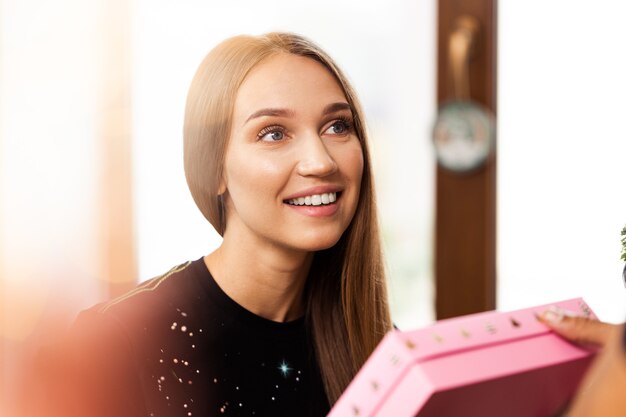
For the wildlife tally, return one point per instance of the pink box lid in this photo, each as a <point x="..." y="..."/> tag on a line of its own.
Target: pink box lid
<point x="457" y="364"/>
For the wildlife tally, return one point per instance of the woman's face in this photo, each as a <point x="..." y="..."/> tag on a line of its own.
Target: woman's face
<point x="293" y="165"/>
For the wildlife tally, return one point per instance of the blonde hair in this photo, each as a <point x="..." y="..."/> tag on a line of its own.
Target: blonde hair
<point x="347" y="311"/>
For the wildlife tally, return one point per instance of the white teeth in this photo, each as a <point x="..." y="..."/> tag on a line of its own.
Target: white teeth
<point x="314" y="200"/>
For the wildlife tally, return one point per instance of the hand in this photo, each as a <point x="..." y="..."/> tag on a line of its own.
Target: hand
<point x="601" y="393"/>
<point x="580" y="330"/>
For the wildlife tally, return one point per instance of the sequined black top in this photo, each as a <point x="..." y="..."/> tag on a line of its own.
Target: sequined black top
<point x="179" y="346"/>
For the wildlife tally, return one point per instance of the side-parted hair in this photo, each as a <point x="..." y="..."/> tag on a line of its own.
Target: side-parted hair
<point x="347" y="312"/>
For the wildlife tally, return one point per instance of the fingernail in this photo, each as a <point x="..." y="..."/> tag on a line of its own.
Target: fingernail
<point x="555" y="315"/>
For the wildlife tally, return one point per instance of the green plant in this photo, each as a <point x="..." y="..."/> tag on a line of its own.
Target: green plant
<point x="624" y="244"/>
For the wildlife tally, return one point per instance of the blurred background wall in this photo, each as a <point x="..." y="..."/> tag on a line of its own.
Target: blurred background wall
<point x="92" y="191"/>
<point x="66" y="233"/>
<point x="561" y="149"/>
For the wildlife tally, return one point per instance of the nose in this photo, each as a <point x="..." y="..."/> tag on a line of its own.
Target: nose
<point x="315" y="158"/>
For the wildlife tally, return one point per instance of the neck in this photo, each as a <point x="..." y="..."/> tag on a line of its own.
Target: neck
<point x="264" y="279"/>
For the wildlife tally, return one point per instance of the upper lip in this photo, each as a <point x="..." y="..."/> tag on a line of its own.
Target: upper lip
<point x="321" y="189"/>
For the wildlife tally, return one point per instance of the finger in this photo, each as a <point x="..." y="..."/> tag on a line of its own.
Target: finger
<point x="581" y="330"/>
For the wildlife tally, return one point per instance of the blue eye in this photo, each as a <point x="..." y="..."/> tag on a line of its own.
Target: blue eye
<point x="271" y="134"/>
<point x="339" y="127"/>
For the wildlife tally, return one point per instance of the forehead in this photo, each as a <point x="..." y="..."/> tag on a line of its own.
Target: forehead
<point x="287" y="81"/>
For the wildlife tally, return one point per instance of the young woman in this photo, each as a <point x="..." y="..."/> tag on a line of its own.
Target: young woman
<point x="278" y="319"/>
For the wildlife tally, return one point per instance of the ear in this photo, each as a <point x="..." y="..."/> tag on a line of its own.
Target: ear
<point x="221" y="189"/>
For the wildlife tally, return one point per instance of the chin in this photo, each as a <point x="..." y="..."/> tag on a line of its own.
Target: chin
<point x="317" y="243"/>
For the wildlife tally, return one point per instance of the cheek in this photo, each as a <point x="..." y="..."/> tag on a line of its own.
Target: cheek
<point x="350" y="161"/>
<point x="252" y="175"/>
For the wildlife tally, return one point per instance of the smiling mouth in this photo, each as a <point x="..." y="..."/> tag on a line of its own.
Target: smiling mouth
<point x="314" y="199"/>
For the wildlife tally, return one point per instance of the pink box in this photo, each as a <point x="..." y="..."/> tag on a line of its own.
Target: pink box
<point x="489" y="364"/>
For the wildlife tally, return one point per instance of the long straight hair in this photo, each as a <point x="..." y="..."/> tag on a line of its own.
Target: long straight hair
<point x="347" y="311"/>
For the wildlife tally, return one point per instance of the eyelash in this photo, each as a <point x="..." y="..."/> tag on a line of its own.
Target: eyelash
<point x="270" y="129"/>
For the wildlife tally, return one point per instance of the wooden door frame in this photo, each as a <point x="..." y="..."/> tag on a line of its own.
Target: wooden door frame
<point x="465" y="216"/>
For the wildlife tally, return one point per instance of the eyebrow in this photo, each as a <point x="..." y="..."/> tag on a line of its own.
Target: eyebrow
<point x="329" y="109"/>
<point x="335" y="107"/>
<point x="271" y="112"/>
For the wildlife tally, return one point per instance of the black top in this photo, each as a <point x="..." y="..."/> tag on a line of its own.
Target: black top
<point x="177" y="345"/>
